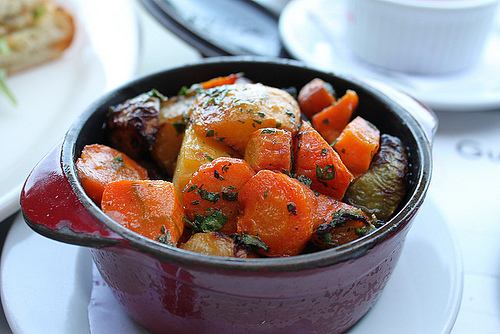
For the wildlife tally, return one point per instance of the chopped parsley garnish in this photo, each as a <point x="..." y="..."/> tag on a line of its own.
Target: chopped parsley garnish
<point x="208" y="196"/>
<point x="155" y="93"/>
<point x="210" y="133"/>
<point x="4" y="89"/>
<point x="217" y="175"/>
<point x="250" y="241"/>
<point x="229" y="194"/>
<point x="117" y="162"/>
<point x="165" y="237"/>
<point x="305" y="180"/>
<point x="325" y="173"/>
<point x="180" y="125"/>
<point x="267" y="131"/>
<point x="210" y="223"/>
<point x="193" y="187"/>
<point x="292" y="208"/>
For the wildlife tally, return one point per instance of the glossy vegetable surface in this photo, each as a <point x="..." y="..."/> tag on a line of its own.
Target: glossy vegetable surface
<point x="270" y="149"/>
<point x="100" y="164"/>
<point x="150" y="208"/>
<point x="320" y="164"/>
<point x="246" y="166"/>
<point x="357" y="144"/>
<point x="211" y="195"/>
<point x="230" y="114"/>
<point x="382" y="187"/>
<point x="331" y="121"/>
<point x="315" y="96"/>
<point x="275" y="208"/>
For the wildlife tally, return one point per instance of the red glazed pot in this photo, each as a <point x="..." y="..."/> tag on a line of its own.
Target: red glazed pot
<point x="166" y="289"/>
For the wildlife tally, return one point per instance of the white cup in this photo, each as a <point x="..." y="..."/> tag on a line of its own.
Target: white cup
<point x="419" y="36"/>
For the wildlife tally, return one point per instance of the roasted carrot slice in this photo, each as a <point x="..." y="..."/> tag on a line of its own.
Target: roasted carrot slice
<point x="275" y="208"/>
<point x="100" y="164"/>
<point x="271" y="149"/>
<point x="150" y="208"/>
<point x="334" y="222"/>
<point x="333" y="119"/>
<point x="315" y="96"/>
<point x="357" y="145"/>
<point x="210" y="197"/>
<point x="196" y="149"/>
<point x="342" y="227"/>
<point x="317" y="163"/>
<point x="219" y="81"/>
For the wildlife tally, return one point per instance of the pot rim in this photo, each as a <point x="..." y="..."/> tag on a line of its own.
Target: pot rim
<point x="322" y="258"/>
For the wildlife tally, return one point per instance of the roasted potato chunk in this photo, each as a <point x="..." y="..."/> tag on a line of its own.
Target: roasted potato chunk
<point x="196" y="150"/>
<point x="379" y="191"/>
<point x="132" y="125"/>
<point x="215" y="243"/>
<point x="172" y="121"/>
<point x="231" y="113"/>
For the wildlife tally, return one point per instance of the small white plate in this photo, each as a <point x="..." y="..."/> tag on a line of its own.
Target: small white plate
<point x="103" y="55"/>
<point x="313" y="32"/>
<point x="47" y="285"/>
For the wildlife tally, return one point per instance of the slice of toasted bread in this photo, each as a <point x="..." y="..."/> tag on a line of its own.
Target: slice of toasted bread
<point x="14" y="8"/>
<point x="44" y="40"/>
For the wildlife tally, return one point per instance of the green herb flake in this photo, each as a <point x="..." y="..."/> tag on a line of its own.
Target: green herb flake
<point x="324" y="151"/>
<point x="179" y="126"/>
<point x="218" y="176"/>
<point x="305" y="180"/>
<point x="292" y="208"/>
<point x="211" y="223"/>
<point x="4" y="89"/>
<point x="267" y="131"/>
<point x="225" y="168"/>
<point x="253" y="241"/>
<point x="210" y="133"/>
<point x="325" y="173"/>
<point x="117" y="162"/>
<point x="229" y="194"/>
<point x="165" y="237"/>
<point x="208" y="196"/>
<point x="193" y="187"/>
<point x="155" y="93"/>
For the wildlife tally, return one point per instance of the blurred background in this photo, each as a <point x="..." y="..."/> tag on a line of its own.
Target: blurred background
<point x="449" y="277"/>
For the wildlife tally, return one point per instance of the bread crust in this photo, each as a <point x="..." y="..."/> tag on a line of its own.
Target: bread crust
<point x="43" y="40"/>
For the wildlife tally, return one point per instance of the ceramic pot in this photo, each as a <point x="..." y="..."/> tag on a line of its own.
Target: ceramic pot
<point x="170" y="290"/>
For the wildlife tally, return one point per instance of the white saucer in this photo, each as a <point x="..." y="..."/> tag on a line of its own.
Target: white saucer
<point x="47" y="285"/>
<point x="103" y="55"/>
<point x="313" y="32"/>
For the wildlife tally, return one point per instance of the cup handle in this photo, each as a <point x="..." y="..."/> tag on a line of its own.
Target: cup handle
<point x="51" y="208"/>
